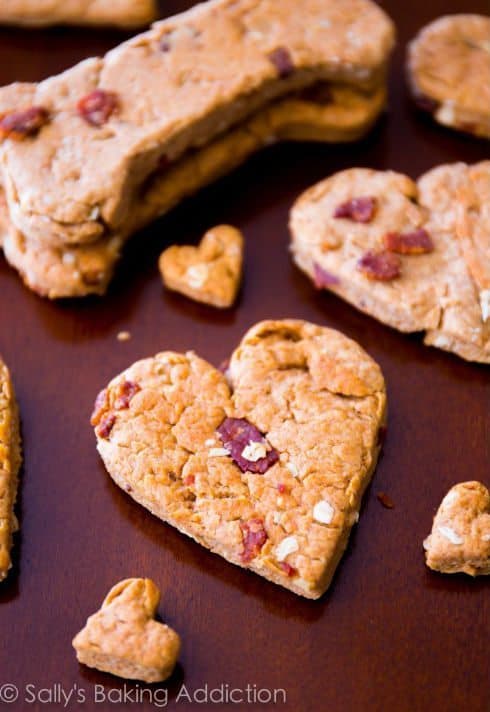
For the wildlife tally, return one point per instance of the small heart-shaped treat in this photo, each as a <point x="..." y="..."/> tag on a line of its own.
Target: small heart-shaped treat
<point x="124" y="638"/>
<point x="460" y="536"/>
<point x="266" y="466"/>
<point x="416" y="256"/>
<point x="209" y="273"/>
<point x="449" y="72"/>
<point x="10" y="459"/>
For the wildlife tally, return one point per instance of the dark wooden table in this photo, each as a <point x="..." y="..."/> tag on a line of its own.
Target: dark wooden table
<point x="389" y="635"/>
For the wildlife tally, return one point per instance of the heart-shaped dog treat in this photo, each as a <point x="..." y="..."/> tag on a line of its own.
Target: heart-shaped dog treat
<point x="124" y="638"/>
<point x="460" y="536"/>
<point x="267" y="469"/>
<point x="10" y="459"/>
<point x="448" y="65"/>
<point x="209" y="273"/>
<point x="414" y="255"/>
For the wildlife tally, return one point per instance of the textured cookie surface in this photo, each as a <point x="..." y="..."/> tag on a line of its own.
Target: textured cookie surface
<point x="267" y="469"/>
<point x="460" y="536"/>
<point x="210" y="273"/>
<point x="124" y="638"/>
<point x="449" y="72"/>
<point x="122" y="13"/>
<point x="413" y="255"/>
<point x="92" y="135"/>
<point x="10" y="458"/>
<point x="56" y="269"/>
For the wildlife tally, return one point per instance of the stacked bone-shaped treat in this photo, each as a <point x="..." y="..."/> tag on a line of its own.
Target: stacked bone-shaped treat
<point x="92" y="155"/>
<point x="40" y="13"/>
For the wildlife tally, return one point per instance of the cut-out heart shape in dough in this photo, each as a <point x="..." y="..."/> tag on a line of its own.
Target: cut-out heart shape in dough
<point x="209" y="273"/>
<point x="124" y="638"/>
<point x="303" y="406"/>
<point x="460" y="536"/>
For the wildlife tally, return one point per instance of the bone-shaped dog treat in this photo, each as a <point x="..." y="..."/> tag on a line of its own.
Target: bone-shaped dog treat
<point x="92" y="135"/>
<point x="122" y="13"/>
<point x="324" y="112"/>
<point x="10" y="459"/>
<point x="414" y="255"/>
<point x="460" y="536"/>
<point x="124" y="638"/>
<point x="265" y="467"/>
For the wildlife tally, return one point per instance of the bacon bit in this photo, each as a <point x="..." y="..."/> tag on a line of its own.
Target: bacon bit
<point x="281" y="488"/>
<point x="99" y="407"/>
<point x="254" y="538"/>
<point x="360" y="210"/>
<point x="128" y="489"/>
<point x="165" y="43"/>
<point x="417" y="242"/>
<point x="97" y="107"/>
<point x="127" y="390"/>
<point x="20" y="124"/>
<point x="322" y="278"/>
<point x="385" y="500"/>
<point x="106" y="425"/>
<point x="189" y="480"/>
<point x="237" y="434"/>
<point x="289" y="570"/>
<point x="319" y="93"/>
<point x="282" y="61"/>
<point x="383" y="266"/>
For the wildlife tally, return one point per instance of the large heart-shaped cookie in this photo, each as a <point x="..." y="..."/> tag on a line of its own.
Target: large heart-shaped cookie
<point x="267" y="469"/>
<point x="124" y="638"/>
<point x="416" y="256"/>
<point x="460" y="536"/>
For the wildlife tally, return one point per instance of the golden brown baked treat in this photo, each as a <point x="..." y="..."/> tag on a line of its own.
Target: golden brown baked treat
<point x="10" y="459"/>
<point x="209" y="273"/>
<point x="267" y="468"/>
<point x="460" y="536"/>
<point x="416" y="256"/>
<point x="64" y="270"/>
<point x="93" y="134"/>
<point x="79" y="149"/>
<point x="124" y="638"/>
<point x="449" y="72"/>
<point x="121" y="13"/>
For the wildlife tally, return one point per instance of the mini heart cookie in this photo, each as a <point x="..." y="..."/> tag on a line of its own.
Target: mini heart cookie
<point x="266" y="469"/>
<point x="124" y="638"/>
<point x="460" y="536"/>
<point x="210" y="272"/>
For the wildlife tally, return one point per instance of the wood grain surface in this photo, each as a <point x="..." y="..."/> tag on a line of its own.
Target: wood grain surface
<point x="389" y="635"/>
